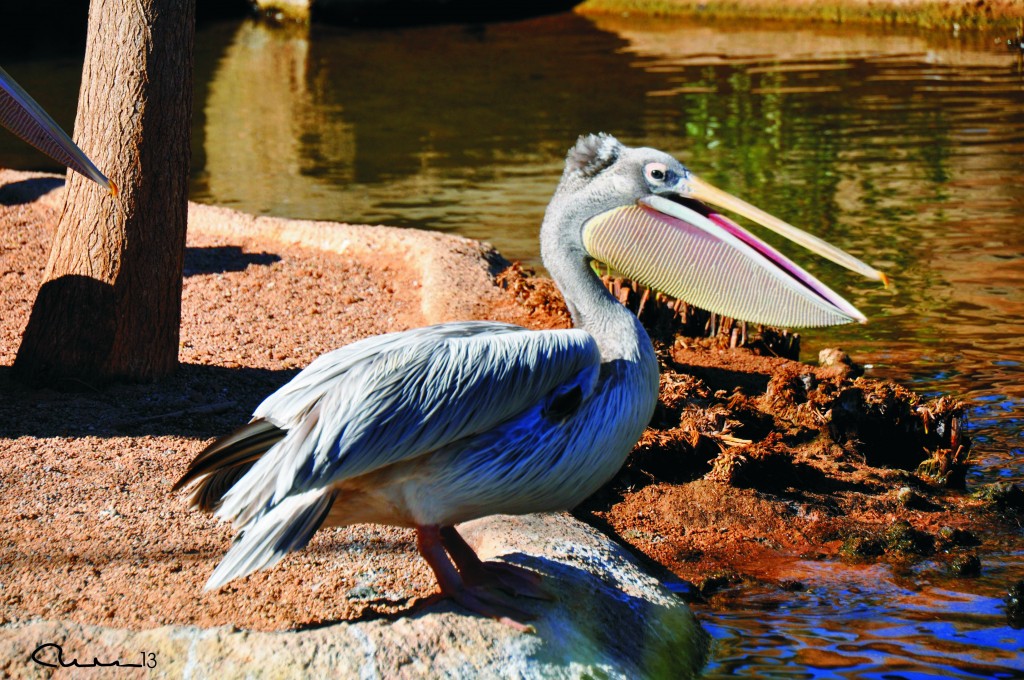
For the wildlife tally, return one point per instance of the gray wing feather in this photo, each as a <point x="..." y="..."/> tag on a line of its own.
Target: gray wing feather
<point x="398" y="396"/>
<point x="288" y="405"/>
<point x="286" y="528"/>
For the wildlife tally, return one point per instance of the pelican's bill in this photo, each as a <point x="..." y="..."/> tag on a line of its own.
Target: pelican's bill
<point x="698" y="189"/>
<point x="712" y="263"/>
<point x="23" y="116"/>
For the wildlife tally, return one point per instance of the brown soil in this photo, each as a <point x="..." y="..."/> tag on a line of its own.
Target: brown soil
<point x="750" y="460"/>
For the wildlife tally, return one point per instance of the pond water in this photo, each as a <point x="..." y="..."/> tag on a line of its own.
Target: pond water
<point x="907" y="150"/>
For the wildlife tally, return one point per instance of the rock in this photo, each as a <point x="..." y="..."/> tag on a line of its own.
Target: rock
<point x="950" y="537"/>
<point x="903" y="540"/>
<point x="965" y="566"/>
<point x="861" y="547"/>
<point x="839" y="362"/>
<point x="906" y="496"/>
<point x="1003" y="497"/>
<point x="912" y="500"/>
<point x="1015" y="605"/>
<point x="718" y="581"/>
<point x="461" y="267"/>
<point x="608" y="619"/>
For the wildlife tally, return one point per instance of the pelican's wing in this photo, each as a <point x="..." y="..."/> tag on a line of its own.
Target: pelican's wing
<point x="398" y="396"/>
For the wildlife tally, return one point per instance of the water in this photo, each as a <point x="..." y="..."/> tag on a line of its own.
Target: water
<point x="865" y="621"/>
<point x="907" y="150"/>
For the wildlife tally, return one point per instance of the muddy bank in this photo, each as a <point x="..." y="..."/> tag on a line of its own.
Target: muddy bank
<point x="754" y="461"/>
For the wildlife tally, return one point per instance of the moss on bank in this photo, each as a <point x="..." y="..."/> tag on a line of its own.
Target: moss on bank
<point x="1001" y="15"/>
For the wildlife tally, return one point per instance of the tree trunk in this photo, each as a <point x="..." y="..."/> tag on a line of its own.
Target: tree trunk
<point x="110" y="303"/>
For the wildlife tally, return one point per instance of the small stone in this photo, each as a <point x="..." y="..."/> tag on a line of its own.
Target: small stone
<point x="839" y="362"/>
<point x="952" y="537"/>
<point x="903" y="539"/>
<point x="717" y="581"/>
<point x="909" y="498"/>
<point x="860" y="547"/>
<point x="965" y="566"/>
<point x="1015" y="605"/>
<point x="1004" y="497"/>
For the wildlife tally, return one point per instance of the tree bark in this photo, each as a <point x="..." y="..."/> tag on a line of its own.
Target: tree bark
<point x="110" y="303"/>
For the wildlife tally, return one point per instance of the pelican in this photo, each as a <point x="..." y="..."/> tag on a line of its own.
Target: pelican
<point x="435" y="426"/>
<point x="23" y="116"/>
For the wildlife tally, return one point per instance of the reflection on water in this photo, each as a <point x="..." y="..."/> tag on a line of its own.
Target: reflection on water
<point x="864" y="621"/>
<point x="907" y="151"/>
<point x="401" y="127"/>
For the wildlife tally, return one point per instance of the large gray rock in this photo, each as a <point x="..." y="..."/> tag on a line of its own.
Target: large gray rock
<point x="608" y="619"/>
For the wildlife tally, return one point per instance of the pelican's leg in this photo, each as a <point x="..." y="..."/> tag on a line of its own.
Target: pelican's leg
<point x="510" y="577"/>
<point x="475" y="598"/>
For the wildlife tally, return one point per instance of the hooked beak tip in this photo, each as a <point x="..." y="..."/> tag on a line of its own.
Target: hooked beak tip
<point x="694" y="187"/>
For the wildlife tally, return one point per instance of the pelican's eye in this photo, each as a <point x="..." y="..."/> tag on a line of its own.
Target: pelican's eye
<point x="656" y="173"/>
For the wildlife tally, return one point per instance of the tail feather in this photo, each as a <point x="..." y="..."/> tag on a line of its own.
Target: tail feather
<point x="209" y="494"/>
<point x="287" y="527"/>
<point x="226" y="460"/>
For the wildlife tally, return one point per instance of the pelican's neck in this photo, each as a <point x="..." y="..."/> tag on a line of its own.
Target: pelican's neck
<point x="628" y="380"/>
<point x="618" y="332"/>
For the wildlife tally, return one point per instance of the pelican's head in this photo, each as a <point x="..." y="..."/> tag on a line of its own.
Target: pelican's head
<point x="643" y="213"/>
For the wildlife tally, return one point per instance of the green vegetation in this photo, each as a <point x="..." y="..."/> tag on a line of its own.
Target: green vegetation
<point x="1006" y="15"/>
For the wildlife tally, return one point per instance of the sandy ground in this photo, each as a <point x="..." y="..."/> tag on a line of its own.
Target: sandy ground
<point x="92" y="531"/>
<point x="750" y="460"/>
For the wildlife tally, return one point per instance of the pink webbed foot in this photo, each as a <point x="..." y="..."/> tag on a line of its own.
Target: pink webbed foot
<point x="511" y="578"/>
<point x="476" y="597"/>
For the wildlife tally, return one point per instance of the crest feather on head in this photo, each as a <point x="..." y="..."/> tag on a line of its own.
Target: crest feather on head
<point x="592" y="154"/>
